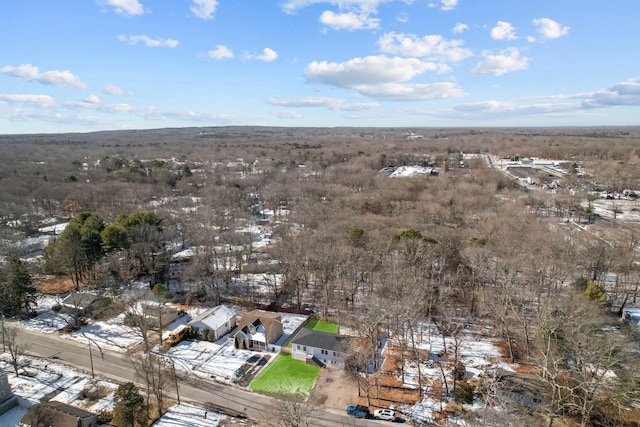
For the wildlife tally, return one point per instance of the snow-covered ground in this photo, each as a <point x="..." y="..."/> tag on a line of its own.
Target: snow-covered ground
<point x="206" y="359"/>
<point x="476" y="350"/>
<point x="220" y="359"/>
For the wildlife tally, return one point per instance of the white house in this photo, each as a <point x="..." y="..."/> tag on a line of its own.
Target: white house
<point x="218" y="320"/>
<point x="325" y="349"/>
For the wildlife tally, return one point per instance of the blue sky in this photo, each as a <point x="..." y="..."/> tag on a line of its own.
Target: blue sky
<point x="84" y="65"/>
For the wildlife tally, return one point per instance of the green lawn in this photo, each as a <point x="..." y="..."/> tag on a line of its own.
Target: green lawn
<point x="322" y="326"/>
<point x="286" y="376"/>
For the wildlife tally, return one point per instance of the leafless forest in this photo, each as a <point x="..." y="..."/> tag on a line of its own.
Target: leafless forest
<point x="534" y="257"/>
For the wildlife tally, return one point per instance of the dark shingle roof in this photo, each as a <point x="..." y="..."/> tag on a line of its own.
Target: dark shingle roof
<point x="323" y="340"/>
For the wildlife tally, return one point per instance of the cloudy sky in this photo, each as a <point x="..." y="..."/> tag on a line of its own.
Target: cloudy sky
<point x="83" y="65"/>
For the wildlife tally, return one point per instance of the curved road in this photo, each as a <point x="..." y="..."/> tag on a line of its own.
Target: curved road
<point x="118" y="367"/>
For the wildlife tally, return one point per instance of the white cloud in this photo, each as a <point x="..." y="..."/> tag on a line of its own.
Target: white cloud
<point x="267" y="55"/>
<point x="204" y="9"/>
<point x="339" y="104"/>
<point x="220" y="52"/>
<point x="92" y="99"/>
<point x="506" y="61"/>
<point x="621" y="94"/>
<point x="624" y="93"/>
<point x="413" y="92"/>
<point x="369" y="70"/>
<point x="403" y="17"/>
<point x="148" y="41"/>
<point x="288" y="114"/>
<point x="126" y="7"/>
<point x="382" y="77"/>
<point x="41" y="101"/>
<point x="503" y="31"/>
<point x="449" y="4"/>
<point x="114" y="90"/>
<point x="550" y="29"/>
<point x="55" y="77"/>
<point x="349" y="21"/>
<point x="290" y="6"/>
<point x="92" y="102"/>
<point x="445" y="5"/>
<point x="431" y="46"/>
<point x="504" y="109"/>
<point x="460" y="27"/>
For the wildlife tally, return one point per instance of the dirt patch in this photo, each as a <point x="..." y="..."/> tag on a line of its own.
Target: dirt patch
<point x="53" y="285"/>
<point x="334" y="390"/>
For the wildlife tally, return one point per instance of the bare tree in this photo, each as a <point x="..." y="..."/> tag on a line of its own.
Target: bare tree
<point x="13" y="345"/>
<point x="290" y="411"/>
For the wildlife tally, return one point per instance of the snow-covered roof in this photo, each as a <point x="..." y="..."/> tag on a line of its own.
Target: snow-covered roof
<point x="215" y="317"/>
<point x="406" y="171"/>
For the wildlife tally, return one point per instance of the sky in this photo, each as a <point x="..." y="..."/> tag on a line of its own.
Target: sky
<point x="88" y="65"/>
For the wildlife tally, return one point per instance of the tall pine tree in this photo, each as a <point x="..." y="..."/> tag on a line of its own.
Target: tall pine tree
<point x="17" y="288"/>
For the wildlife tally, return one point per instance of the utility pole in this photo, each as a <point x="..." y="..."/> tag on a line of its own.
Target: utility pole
<point x="4" y="349"/>
<point x="93" y="375"/>
<point x="175" y="378"/>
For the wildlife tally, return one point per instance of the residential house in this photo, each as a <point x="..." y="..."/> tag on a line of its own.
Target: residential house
<point x="57" y="414"/>
<point x="7" y="399"/>
<point x="258" y="330"/>
<point x="218" y="321"/>
<point x="79" y="303"/>
<point x="322" y="348"/>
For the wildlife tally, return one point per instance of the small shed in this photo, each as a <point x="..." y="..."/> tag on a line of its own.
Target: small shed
<point x="218" y="320"/>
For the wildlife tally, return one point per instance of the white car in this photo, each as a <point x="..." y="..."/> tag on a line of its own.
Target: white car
<point x="384" y="414"/>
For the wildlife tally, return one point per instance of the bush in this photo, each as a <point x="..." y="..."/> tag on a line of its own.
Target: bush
<point x="595" y="291"/>
<point x="105" y="417"/>
<point x="463" y="393"/>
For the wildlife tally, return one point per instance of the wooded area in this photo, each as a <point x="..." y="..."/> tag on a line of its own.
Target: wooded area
<point x="466" y="246"/>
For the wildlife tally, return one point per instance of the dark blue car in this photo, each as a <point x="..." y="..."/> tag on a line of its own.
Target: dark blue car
<point x="359" y="411"/>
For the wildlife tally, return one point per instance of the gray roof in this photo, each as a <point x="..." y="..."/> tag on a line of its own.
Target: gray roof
<point x="323" y="340"/>
<point x="80" y="300"/>
<point x="214" y="317"/>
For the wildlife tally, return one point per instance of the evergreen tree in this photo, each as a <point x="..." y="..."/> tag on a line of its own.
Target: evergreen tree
<point x="17" y="288"/>
<point x="129" y="405"/>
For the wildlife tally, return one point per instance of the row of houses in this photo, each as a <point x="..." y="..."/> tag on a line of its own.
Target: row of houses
<point x="261" y="330"/>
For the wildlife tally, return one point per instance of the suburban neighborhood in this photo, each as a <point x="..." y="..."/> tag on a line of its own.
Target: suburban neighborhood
<point x="426" y="289"/>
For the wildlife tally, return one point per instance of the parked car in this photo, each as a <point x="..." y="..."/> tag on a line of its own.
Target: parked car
<point x="359" y="411"/>
<point x="384" y="414"/>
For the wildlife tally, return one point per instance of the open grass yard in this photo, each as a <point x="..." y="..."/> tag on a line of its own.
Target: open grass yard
<point x="286" y="376"/>
<point x="322" y="326"/>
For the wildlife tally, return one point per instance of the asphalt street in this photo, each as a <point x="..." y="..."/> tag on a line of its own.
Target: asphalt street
<point x="208" y="393"/>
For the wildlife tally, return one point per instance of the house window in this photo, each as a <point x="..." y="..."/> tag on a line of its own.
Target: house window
<point x="334" y="354"/>
<point x="324" y="352"/>
<point x="304" y="348"/>
<point x="299" y="347"/>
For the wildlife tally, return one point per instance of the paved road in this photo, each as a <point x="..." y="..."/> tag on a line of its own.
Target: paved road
<point x="118" y="367"/>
